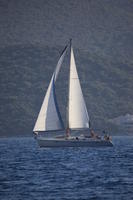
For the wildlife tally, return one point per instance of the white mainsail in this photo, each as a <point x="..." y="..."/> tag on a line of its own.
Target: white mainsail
<point x="49" y="117"/>
<point x="77" y="112"/>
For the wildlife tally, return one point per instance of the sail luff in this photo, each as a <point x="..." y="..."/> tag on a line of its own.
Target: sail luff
<point x="58" y="66"/>
<point x="49" y="117"/>
<point x="77" y="114"/>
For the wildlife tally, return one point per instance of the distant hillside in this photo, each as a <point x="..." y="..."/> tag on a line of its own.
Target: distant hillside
<point x="25" y="72"/>
<point x="32" y="35"/>
<point x="99" y="25"/>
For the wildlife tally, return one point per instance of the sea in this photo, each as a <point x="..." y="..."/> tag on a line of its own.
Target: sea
<point x="28" y="172"/>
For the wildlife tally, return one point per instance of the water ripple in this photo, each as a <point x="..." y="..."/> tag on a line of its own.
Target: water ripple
<point x="28" y="172"/>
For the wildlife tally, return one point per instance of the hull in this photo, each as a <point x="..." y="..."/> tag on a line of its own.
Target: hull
<point x="72" y="143"/>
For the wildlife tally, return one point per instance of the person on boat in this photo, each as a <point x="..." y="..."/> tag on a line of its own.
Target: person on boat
<point x="67" y="133"/>
<point x="107" y="137"/>
<point x="94" y="135"/>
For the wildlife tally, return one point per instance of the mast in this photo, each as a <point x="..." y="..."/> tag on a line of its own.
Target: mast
<point x="67" y="109"/>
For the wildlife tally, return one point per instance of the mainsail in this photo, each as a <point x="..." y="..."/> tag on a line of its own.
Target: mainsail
<point x="49" y="117"/>
<point x="77" y="112"/>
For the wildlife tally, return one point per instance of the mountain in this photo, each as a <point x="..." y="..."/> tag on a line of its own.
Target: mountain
<point x="32" y="35"/>
<point x="25" y="73"/>
<point x="124" y="121"/>
<point x="104" y="26"/>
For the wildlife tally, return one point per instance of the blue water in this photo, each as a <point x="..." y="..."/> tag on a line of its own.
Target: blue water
<point x="30" y="173"/>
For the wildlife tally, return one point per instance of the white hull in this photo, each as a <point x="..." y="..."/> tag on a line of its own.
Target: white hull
<point x="53" y="142"/>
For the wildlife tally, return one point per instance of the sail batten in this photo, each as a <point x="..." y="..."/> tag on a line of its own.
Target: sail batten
<point x="77" y="112"/>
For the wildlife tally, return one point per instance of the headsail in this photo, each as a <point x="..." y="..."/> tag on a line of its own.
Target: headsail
<point x="77" y="112"/>
<point x="49" y="117"/>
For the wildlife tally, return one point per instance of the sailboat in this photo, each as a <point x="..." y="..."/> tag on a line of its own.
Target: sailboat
<point x="50" y="120"/>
